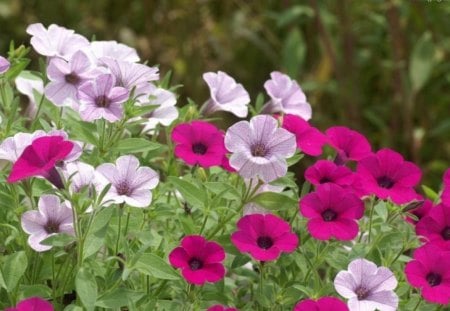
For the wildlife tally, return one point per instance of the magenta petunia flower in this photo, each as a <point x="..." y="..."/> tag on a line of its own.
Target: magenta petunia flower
<point x="421" y="209"/>
<point x="200" y="260"/>
<point x="324" y="171"/>
<point x="12" y="147"/>
<point x="226" y="95"/>
<point x="32" y="304"/>
<point x="367" y="287"/>
<point x="349" y="144"/>
<point x="100" y="99"/>
<point x="114" y="50"/>
<point x="286" y="96"/>
<point x="52" y="217"/>
<point x="332" y="212"/>
<point x="429" y="271"/>
<point x="130" y="183"/>
<point x="259" y="148"/>
<point x="264" y="236"/>
<point x="445" y="197"/>
<point x="387" y="175"/>
<point x="221" y="308"/>
<point x="199" y="143"/>
<point x="40" y="159"/>
<point x="4" y="64"/>
<point x="322" y="304"/>
<point x="435" y="226"/>
<point x="309" y="139"/>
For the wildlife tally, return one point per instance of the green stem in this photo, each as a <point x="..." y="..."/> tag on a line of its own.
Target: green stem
<point x="41" y="102"/>
<point x="120" y="210"/>
<point x="372" y="207"/>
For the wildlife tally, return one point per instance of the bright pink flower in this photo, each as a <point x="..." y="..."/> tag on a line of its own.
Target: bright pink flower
<point x="446" y="192"/>
<point x="349" y="144"/>
<point x="32" y="304"/>
<point x="199" y="143"/>
<point x="387" y="175"/>
<point x="264" y="236"/>
<point x="420" y="210"/>
<point x="221" y="308"/>
<point x="322" y="304"/>
<point x="332" y="212"/>
<point x="40" y="158"/>
<point x="430" y="272"/>
<point x="200" y="260"/>
<point x="324" y="171"/>
<point x="435" y="227"/>
<point x="309" y="139"/>
<point x="226" y="165"/>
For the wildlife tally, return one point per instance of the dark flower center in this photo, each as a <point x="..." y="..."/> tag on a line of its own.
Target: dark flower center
<point x="102" y="101"/>
<point x="51" y="226"/>
<point x="199" y="148"/>
<point x="361" y="293"/>
<point x="72" y="79"/>
<point x="434" y="279"/>
<point x="258" y="150"/>
<point x="446" y="233"/>
<point x="324" y="180"/>
<point x="195" y="264"/>
<point x="264" y="242"/>
<point x="123" y="188"/>
<point x="385" y="182"/>
<point x="329" y="215"/>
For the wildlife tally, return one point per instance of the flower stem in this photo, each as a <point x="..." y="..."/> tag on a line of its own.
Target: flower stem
<point x="372" y="207"/>
<point x="120" y="210"/>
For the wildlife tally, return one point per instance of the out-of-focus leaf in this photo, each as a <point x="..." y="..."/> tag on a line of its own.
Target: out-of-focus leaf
<point x="135" y="145"/>
<point x="422" y="62"/>
<point x="293" y="53"/>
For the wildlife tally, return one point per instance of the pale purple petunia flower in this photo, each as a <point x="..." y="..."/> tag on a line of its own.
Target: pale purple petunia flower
<point x="114" y="50"/>
<point x="81" y="176"/>
<point x="12" y="147"/>
<point x="260" y="148"/>
<point x="286" y="96"/>
<point x="53" y="217"/>
<point x="56" y="40"/>
<point x="99" y="98"/>
<point x="4" y="64"/>
<point x="226" y="95"/>
<point x="130" y="183"/>
<point x="33" y="87"/>
<point x="367" y="287"/>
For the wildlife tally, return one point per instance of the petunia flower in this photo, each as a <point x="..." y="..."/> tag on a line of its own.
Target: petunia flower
<point x="322" y="304"/>
<point x="199" y="143"/>
<point x="309" y="139"/>
<point x="51" y="218"/>
<point x="56" y="40"/>
<point x="4" y="65"/>
<point x="324" y="171"/>
<point x="32" y="304"/>
<point x="221" y="308"/>
<point x="200" y="260"/>
<point x="367" y="287"/>
<point x="114" y="50"/>
<point x="100" y="99"/>
<point x="264" y="236"/>
<point x="81" y="176"/>
<point x="332" y="212"/>
<point x="435" y="226"/>
<point x="28" y="84"/>
<point x="225" y="95"/>
<point x="286" y="96"/>
<point x="259" y="148"/>
<point x="429" y="272"/>
<point x="387" y="175"/>
<point x="349" y="144"/>
<point x="12" y="147"/>
<point x="130" y="183"/>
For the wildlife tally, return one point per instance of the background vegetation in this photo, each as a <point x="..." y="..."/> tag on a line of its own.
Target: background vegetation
<point x="381" y="67"/>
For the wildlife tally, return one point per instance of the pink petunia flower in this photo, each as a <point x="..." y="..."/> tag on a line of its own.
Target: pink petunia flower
<point x="349" y="144"/>
<point x="40" y="159"/>
<point x="226" y="95"/>
<point x="100" y="99"/>
<point x="113" y="50"/>
<point x="387" y="175"/>
<point x="309" y="139"/>
<point x="429" y="272"/>
<point x="52" y="217"/>
<point x="324" y="171"/>
<point x="264" y="236"/>
<point x="445" y="197"/>
<point x="4" y="64"/>
<point x="421" y="209"/>
<point x="367" y="287"/>
<point x="322" y="304"/>
<point x="199" y="143"/>
<point x="259" y="148"/>
<point x="130" y="183"/>
<point x="221" y="308"/>
<point x="286" y="96"/>
<point x="435" y="226"/>
<point x="200" y="260"/>
<point x="332" y="212"/>
<point x="32" y="304"/>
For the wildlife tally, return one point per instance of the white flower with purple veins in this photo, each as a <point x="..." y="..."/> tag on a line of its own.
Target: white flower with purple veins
<point x="286" y="96"/>
<point x="114" y="50"/>
<point x="99" y="98"/>
<point x="30" y="85"/>
<point x="226" y="95"/>
<point x="81" y="176"/>
<point x="52" y="217"/>
<point x="165" y="112"/>
<point x="56" y="41"/>
<point x="367" y="287"/>
<point x="130" y="183"/>
<point x="4" y="64"/>
<point x="259" y="148"/>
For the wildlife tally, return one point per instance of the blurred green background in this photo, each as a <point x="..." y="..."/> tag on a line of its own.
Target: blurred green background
<point x="381" y="67"/>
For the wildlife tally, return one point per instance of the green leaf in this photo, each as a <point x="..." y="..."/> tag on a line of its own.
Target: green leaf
<point x="135" y="145"/>
<point x="430" y="193"/>
<point x="293" y="53"/>
<point x="155" y="266"/>
<point x="121" y="297"/>
<point x="94" y="241"/>
<point x="13" y="269"/>
<point x="59" y="240"/>
<point x="422" y="62"/>
<point x="275" y="201"/>
<point x="192" y="194"/>
<point x="86" y="288"/>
